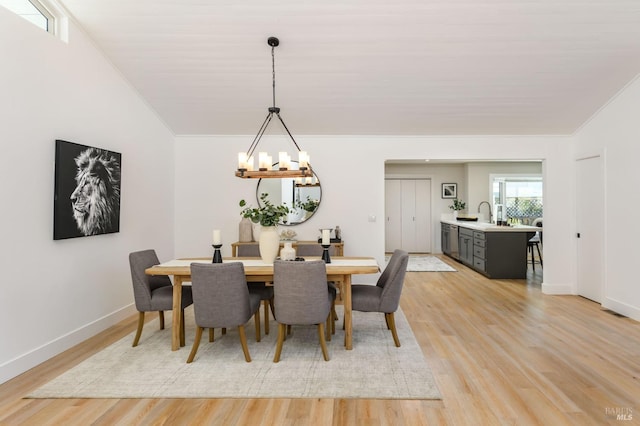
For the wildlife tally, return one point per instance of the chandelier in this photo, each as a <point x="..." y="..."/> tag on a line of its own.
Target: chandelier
<point x="246" y="166"/>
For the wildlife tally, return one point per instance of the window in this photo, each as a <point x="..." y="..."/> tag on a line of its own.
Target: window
<point x="522" y="196"/>
<point x="33" y="11"/>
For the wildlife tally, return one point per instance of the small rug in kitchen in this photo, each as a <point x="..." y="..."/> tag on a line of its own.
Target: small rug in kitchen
<point x="421" y="263"/>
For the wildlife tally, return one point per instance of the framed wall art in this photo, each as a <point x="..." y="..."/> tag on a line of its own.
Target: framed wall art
<point x="449" y="190"/>
<point x="87" y="191"/>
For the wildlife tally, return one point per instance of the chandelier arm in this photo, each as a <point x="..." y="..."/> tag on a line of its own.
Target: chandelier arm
<point x="261" y="131"/>
<point x="288" y="132"/>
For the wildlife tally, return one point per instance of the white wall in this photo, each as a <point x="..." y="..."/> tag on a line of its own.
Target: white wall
<point x="614" y="133"/>
<point x="57" y="293"/>
<point x="207" y="192"/>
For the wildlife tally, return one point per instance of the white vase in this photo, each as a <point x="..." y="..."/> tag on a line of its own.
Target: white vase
<point x="288" y="252"/>
<point x="269" y="243"/>
<point x="245" y="231"/>
<point x="455" y="214"/>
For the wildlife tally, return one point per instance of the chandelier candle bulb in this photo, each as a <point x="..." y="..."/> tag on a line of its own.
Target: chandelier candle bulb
<point x="263" y="162"/>
<point x="242" y="161"/>
<point x="216" y="237"/>
<point x="303" y="159"/>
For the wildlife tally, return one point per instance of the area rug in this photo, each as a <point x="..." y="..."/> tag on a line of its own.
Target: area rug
<point x="426" y="264"/>
<point x="374" y="369"/>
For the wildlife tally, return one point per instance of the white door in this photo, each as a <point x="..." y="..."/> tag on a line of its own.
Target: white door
<point x="393" y="213"/>
<point x="408" y="215"/>
<point x="589" y="227"/>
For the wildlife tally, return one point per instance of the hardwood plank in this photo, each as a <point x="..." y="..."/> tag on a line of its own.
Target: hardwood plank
<point x="501" y="353"/>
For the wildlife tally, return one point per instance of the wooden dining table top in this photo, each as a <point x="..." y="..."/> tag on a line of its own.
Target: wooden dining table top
<point x="255" y="266"/>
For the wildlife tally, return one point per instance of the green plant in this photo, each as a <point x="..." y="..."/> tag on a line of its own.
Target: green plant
<point x="267" y="214"/>
<point x="457" y="205"/>
<point x="309" y="205"/>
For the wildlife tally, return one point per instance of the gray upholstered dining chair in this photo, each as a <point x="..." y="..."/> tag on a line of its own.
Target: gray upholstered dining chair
<point x="316" y="250"/>
<point x="302" y="297"/>
<point x="221" y="299"/>
<point x="154" y="292"/>
<point x="385" y="295"/>
<point x="261" y="288"/>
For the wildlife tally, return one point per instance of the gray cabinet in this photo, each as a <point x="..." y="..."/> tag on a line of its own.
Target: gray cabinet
<point x="465" y="245"/>
<point x="493" y="253"/>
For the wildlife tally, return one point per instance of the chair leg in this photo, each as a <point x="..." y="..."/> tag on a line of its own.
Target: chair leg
<point x="211" y="335"/>
<point x="539" y="254"/>
<point x="392" y="325"/>
<point x="196" y="343"/>
<point x="161" y="316"/>
<point x="257" y="320"/>
<point x="243" y="342"/>
<point x="282" y="328"/>
<point x="139" y="331"/>
<point x="533" y="261"/>
<point x="266" y="317"/>
<point x="323" y="344"/>
<point x="224" y="330"/>
<point x="182" y="343"/>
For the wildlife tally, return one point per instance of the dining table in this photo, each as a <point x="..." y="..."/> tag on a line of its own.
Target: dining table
<point x="340" y="269"/>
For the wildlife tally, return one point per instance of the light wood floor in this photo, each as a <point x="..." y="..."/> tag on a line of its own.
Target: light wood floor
<point x="501" y="353"/>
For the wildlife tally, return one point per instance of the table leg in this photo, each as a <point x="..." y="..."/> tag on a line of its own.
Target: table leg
<point x="175" y="320"/>
<point x="346" y="300"/>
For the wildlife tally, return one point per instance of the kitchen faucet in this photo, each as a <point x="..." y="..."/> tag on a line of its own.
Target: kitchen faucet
<point x="490" y="212"/>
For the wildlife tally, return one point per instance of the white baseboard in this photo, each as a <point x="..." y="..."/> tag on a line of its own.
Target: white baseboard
<point x="557" y="289"/>
<point x="22" y="363"/>
<point x="622" y="308"/>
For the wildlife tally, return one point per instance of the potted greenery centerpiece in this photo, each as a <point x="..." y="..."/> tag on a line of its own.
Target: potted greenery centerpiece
<point x="268" y="216"/>
<point x="457" y="206"/>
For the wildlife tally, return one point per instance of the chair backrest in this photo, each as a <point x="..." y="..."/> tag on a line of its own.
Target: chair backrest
<point x="220" y="294"/>
<point x="392" y="280"/>
<point x="248" y="250"/>
<point x="313" y="250"/>
<point x="301" y="294"/>
<point x="144" y="284"/>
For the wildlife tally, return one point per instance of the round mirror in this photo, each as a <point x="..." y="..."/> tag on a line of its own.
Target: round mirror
<point x="301" y="195"/>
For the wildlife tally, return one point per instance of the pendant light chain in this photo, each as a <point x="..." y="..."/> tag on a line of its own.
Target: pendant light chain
<point x="273" y="73"/>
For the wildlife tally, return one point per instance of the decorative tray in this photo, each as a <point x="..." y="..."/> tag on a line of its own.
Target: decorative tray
<point x="467" y="219"/>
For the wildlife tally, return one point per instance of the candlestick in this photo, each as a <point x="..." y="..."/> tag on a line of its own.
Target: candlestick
<point x="217" y="257"/>
<point x="325" y="253"/>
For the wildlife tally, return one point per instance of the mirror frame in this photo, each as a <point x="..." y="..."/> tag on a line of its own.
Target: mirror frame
<point x="306" y="215"/>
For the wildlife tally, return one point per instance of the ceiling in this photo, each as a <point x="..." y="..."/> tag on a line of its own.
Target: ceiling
<point x="371" y="67"/>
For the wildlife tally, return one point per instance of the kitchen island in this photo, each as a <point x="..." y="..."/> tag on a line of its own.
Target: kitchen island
<point x="495" y="251"/>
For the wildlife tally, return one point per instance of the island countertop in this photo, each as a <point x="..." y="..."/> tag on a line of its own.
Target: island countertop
<point x="491" y="227"/>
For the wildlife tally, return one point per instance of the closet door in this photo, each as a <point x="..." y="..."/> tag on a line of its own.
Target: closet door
<point x="408" y="215"/>
<point x="393" y="213"/>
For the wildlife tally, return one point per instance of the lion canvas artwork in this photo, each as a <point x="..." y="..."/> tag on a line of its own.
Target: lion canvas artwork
<point x="87" y="191"/>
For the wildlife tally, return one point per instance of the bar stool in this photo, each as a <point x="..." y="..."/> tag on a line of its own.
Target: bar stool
<point x="535" y="241"/>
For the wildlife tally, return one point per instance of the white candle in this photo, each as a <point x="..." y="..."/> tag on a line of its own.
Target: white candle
<point x="216" y="237"/>
<point x="262" y="160"/>
<point x="302" y="159"/>
<point x="242" y="160"/>
<point x="326" y="237"/>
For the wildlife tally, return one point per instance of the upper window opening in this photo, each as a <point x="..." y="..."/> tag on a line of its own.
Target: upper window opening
<point x="33" y="11"/>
